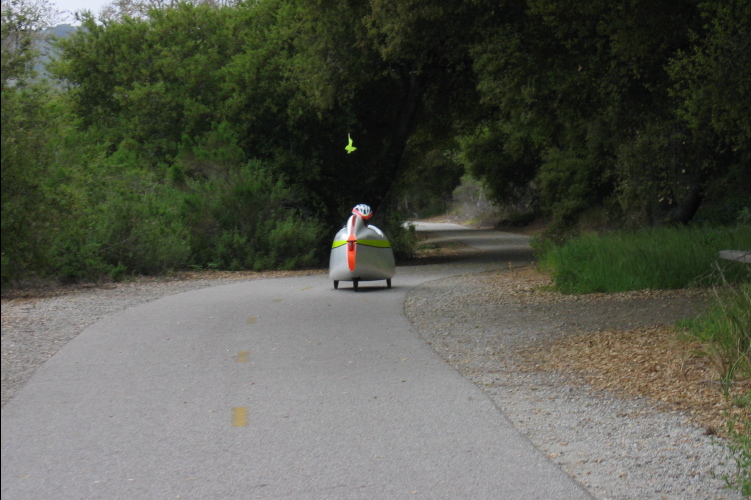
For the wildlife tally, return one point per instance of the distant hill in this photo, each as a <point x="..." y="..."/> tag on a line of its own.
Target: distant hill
<point x="46" y="49"/>
<point x="63" y="30"/>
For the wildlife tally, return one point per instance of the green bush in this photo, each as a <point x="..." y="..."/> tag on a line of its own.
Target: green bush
<point x="114" y="218"/>
<point x="246" y="221"/>
<point x="76" y="259"/>
<point x="30" y="131"/>
<point x="144" y="236"/>
<point x="134" y="234"/>
<point x="293" y="243"/>
<point x="403" y="239"/>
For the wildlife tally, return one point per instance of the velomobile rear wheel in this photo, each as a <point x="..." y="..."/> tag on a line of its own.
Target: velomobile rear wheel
<point x="336" y="284"/>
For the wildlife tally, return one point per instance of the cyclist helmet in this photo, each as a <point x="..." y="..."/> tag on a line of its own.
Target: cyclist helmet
<point x="363" y="211"/>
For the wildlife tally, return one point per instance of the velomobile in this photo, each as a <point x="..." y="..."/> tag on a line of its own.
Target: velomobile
<point x="361" y="252"/>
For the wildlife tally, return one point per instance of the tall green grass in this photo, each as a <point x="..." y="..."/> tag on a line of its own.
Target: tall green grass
<point x="725" y="330"/>
<point x="656" y="258"/>
<point x="725" y="335"/>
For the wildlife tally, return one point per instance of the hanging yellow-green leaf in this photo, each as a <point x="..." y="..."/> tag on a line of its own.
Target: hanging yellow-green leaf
<point x="349" y="147"/>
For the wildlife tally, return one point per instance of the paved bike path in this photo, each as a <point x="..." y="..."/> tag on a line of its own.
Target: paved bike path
<point x="281" y="388"/>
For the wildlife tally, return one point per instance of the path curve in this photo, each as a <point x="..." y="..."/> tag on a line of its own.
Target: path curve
<point x="280" y="388"/>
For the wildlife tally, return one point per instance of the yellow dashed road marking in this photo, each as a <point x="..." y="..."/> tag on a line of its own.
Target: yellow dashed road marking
<point x="240" y="417"/>
<point x="251" y="320"/>
<point x="242" y="356"/>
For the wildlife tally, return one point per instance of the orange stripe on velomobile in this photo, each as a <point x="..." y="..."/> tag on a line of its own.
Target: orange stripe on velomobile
<point x="351" y="252"/>
<point x="351" y="247"/>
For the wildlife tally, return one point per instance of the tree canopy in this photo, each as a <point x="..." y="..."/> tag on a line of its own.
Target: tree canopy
<point x="226" y="123"/>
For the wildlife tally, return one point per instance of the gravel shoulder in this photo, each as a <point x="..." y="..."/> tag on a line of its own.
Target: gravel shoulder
<point x="538" y="355"/>
<point x="37" y="321"/>
<point x="587" y="379"/>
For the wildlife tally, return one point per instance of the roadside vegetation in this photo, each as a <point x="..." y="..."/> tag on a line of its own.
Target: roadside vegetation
<point x="725" y="336"/>
<point x="653" y="258"/>
<point x="670" y="258"/>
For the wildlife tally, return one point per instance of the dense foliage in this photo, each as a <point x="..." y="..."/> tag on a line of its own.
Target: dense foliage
<point x="213" y="136"/>
<point x="618" y="105"/>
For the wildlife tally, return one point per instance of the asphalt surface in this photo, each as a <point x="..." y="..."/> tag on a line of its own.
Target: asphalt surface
<point x="281" y="388"/>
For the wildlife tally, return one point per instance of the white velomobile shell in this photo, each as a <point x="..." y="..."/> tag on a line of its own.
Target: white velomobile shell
<point x="361" y="253"/>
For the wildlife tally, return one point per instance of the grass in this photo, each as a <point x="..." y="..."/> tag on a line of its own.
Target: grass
<point x="740" y="451"/>
<point x="658" y="258"/>
<point x="725" y="333"/>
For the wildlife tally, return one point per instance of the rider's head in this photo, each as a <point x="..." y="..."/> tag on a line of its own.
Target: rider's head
<point x="363" y="211"/>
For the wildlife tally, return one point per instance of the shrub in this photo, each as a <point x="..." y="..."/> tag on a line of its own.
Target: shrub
<point x="247" y="221"/>
<point x="142" y="233"/>
<point x="403" y="239"/>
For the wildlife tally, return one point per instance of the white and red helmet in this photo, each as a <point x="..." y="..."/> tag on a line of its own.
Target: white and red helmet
<point x="363" y="211"/>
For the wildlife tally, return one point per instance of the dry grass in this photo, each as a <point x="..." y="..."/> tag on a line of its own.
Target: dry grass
<point x="652" y="362"/>
<point x="656" y="362"/>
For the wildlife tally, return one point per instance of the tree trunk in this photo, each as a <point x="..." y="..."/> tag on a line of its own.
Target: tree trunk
<point x="687" y="208"/>
<point x="402" y="127"/>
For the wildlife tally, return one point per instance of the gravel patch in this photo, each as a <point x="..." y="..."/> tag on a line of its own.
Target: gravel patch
<point x="617" y="447"/>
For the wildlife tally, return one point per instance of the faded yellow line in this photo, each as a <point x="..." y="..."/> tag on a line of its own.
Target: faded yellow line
<point x="240" y="416"/>
<point x="251" y="320"/>
<point x="242" y="356"/>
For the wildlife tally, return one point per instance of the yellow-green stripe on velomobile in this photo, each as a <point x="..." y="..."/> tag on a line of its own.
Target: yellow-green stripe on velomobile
<point x="367" y="243"/>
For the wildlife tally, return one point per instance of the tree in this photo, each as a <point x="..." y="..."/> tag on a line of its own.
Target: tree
<point x="713" y="76"/>
<point x="292" y="79"/>
<point x="29" y="134"/>
<point x="152" y="81"/>
<point x="578" y="105"/>
<point x="23" y="24"/>
<point x="700" y="150"/>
